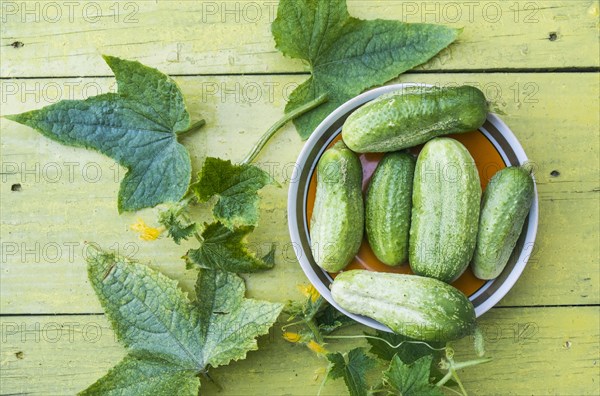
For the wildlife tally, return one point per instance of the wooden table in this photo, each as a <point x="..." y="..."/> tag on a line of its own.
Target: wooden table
<point x="537" y="61"/>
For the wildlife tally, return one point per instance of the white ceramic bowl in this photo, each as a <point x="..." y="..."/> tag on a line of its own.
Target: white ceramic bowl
<point x="494" y="130"/>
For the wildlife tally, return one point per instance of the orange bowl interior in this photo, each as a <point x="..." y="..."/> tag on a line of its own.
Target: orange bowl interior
<point x="488" y="162"/>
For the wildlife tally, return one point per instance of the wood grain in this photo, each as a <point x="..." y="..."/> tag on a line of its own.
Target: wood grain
<point x="534" y="351"/>
<point x="50" y="39"/>
<point x="544" y="335"/>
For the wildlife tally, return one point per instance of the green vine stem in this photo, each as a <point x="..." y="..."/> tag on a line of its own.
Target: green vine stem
<point x="206" y="375"/>
<point x="452" y="371"/>
<point x="389" y="344"/>
<point x="458" y="381"/>
<point x="196" y="235"/>
<point x="469" y="363"/>
<point x="315" y="331"/>
<point x="193" y="127"/>
<point x="445" y="379"/>
<point x="280" y="123"/>
<point x="285" y="326"/>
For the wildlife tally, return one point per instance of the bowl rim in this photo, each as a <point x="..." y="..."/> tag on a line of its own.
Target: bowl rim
<point x="318" y="137"/>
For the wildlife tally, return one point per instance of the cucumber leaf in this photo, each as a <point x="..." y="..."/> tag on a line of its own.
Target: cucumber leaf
<point x="227" y="250"/>
<point x="169" y="339"/>
<point x="347" y="55"/>
<point x="137" y="127"/>
<point x="411" y="380"/>
<point x="236" y="187"/>
<point x="137" y="376"/>
<point x="353" y="368"/>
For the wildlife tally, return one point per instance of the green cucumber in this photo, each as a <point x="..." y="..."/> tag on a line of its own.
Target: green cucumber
<point x="506" y="203"/>
<point x="387" y="208"/>
<point x="414" y="115"/>
<point x="414" y="306"/>
<point x="337" y="223"/>
<point x="445" y="212"/>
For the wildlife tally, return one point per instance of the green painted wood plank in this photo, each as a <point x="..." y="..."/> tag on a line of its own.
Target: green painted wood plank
<point x="68" y="196"/>
<point x="49" y="38"/>
<point x="535" y="351"/>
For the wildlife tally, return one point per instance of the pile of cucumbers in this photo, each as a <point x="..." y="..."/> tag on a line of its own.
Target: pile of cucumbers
<point x="429" y="211"/>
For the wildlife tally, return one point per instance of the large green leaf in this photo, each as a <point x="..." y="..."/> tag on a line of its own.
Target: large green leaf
<point x="137" y="127"/>
<point x="347" y="55"/>
<point x="134" y="376"/>
<point x="230" y="322"/>
<point x="169" y="339"/>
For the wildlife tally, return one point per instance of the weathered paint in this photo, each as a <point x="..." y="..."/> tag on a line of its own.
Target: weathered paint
<point x="44" y="224"/>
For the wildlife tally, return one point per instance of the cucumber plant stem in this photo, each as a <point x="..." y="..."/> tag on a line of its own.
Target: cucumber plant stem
<point x="469" y="363"/>
<point x="313" y="328"/>
<point x="211" y="379"/>
<point x="452" y="371"/>
<point x="280" y="123"/>
<point x="458" y="381"/>
<point x="388" y="343"/>
<point x="193" y="127"/>
<point x="445" y="379"/>
<point x="196" y="235"/>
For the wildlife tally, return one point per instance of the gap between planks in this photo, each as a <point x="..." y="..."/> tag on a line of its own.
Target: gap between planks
<point x="307" y="73"/>
<point x="12" y="315"/>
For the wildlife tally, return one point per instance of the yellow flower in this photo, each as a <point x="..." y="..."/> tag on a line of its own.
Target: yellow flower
<point x="291" y="337"/>
<point x="146" y="232"/>
<point x="309" y="291"/>
<point x="316" y="347"/>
